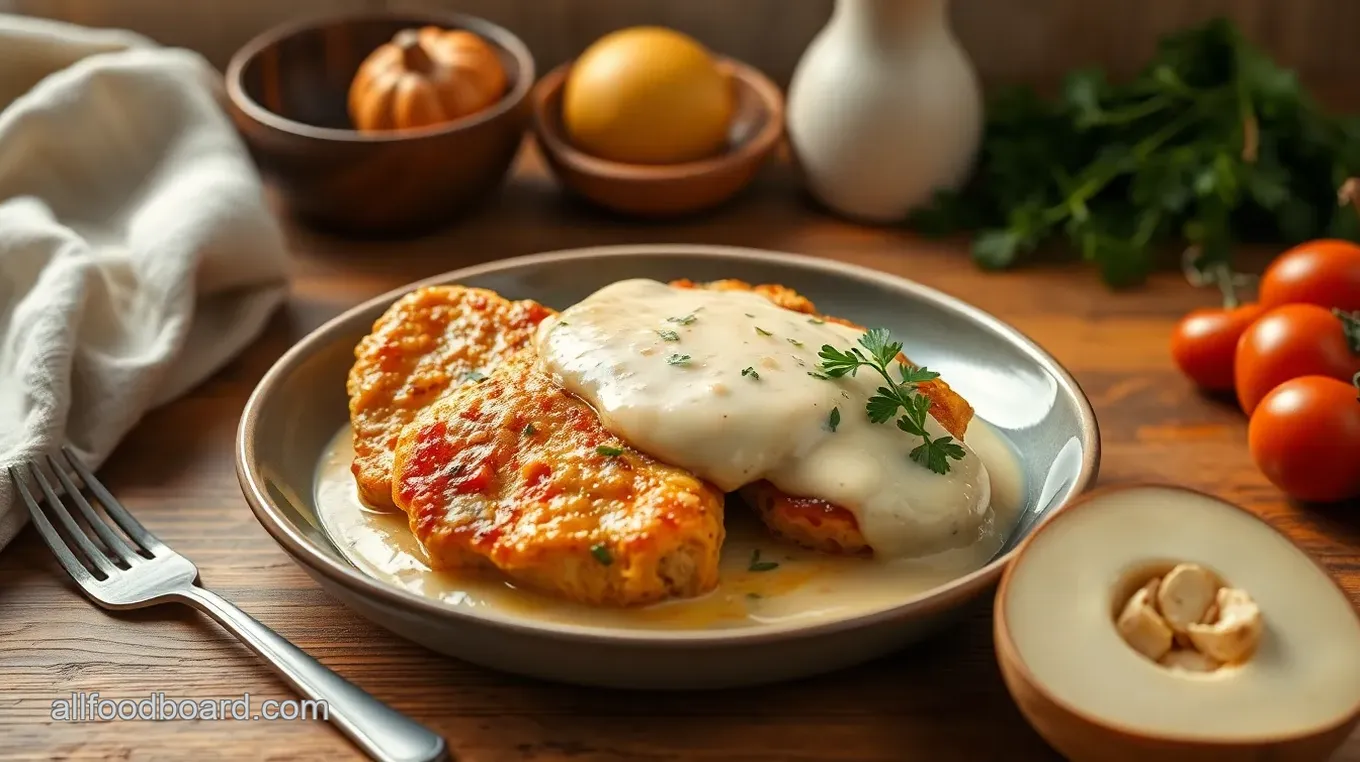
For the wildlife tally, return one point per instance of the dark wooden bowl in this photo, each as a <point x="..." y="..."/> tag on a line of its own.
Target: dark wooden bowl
<point x="665" y="190"/>
<point x="288" y="93"/>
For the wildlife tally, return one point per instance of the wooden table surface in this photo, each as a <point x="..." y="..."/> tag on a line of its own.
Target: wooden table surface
<point x="941" y="701"/>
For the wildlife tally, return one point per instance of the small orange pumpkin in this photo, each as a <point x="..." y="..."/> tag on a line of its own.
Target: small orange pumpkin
<point x="425" y="77"/>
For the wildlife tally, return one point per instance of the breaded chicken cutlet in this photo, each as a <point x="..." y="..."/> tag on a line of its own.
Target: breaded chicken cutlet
<point x="515" y="472"/>
<point x="427" y="342"/>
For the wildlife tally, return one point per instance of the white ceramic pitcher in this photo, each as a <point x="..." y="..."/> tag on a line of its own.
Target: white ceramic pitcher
<point x="884" y="108"/>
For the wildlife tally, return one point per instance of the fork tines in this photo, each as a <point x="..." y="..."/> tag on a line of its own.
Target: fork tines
<point x="113" y="550"/>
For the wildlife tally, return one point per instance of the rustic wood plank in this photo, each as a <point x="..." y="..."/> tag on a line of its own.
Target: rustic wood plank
<point x="940" y="702"/>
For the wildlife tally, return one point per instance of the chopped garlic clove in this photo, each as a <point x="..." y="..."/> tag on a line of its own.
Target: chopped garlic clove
<point x="1234" y="635"/>
<point x="1142" y="627"/>
<point x="1190" y="661"/>
<point x="1185" y="595"/>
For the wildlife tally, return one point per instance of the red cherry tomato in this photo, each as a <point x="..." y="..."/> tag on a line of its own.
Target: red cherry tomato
<point x="1288" y="342"/>
<point x="1325" y="273"/>
<point x="1305" y="437"/>
<point x="1204" y="343"/>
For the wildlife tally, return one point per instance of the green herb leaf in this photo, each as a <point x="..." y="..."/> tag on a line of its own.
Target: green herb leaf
<point x="996" y="249"/>
<point x="608" y="451"/>
<point x="668" y="335"/>
<point x="749" y="315"/>
<point x="684" y="319"/>
<point x="880" y="344"/>
<point x="834" y="419"/>
<point x="819" y="376"/>
<point x="601" y="554"/>
<point x="758" y="565"/>
<point x="474" y="375"/>
<point x="795" y="342"/>
<point x="915" y="374"/>
<point x="678" y="360"/>
<point x="528" y="430"/>
<point x="884" y="405"/>
<point x="816" y="321"/>
<point x="935" y="454"/>
<point x="763" y="332"/>
<point x="750" y="371"/>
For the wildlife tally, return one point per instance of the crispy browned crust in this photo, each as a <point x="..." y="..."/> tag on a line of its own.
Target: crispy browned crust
<point x="810" y="522"/>
<point x="427" y="342"/>
<point x="516" y="473"/>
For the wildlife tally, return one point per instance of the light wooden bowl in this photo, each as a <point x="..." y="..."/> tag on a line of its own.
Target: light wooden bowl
<point x="288" y="92"/>
<point x="672" y="189"/>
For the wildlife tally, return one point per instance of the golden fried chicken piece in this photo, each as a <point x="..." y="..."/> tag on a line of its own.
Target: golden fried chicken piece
<point x="815" y="523"/>
<point x="428" y="341"/>
<point x="515" y="472"/>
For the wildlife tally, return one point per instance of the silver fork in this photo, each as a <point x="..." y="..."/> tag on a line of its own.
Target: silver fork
<point x="118" y="574"/>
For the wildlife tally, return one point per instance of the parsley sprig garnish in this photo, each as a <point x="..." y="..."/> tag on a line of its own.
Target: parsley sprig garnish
<point x="879" y="353"/>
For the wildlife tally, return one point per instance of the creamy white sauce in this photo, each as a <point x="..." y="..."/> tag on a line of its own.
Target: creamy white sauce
<point x="807" y="587"/>
<point x="663" y="367"/>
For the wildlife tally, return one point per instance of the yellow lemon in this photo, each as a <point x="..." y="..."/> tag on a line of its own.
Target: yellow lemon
<point x="647" y="95"/>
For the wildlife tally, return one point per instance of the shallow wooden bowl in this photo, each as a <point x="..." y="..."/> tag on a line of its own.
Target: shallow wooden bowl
<point x="665" y="190"/>
<point x="288" y="93"/>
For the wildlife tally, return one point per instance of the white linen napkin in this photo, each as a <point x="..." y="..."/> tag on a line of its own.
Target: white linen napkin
<point x="137" y="254"/>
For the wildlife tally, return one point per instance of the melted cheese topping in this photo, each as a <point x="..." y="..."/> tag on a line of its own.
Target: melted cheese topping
<point x="720" y="383"/>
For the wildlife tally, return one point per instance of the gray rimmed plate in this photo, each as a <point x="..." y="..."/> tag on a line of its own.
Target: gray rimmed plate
<point x="1015" y="387"/>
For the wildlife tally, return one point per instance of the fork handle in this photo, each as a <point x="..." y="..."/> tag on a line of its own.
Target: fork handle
<point x="381" y="731"/>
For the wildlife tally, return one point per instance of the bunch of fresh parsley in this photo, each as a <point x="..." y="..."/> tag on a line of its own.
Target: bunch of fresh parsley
<point x="1212" y="143"/>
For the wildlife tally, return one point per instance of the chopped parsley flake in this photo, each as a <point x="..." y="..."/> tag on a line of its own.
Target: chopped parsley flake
<point x="749" y="315"/>
<point x="668" y="335"/>
<point x="474" y="375"/>
<point x="816" y="321"/>
<point x="817" y="375"/>
<point x="834" y="419"/>
<point x="749" y="371"/>
<point x="684" y="319"/>
<point x="758" y="565"/>
<point x="763" y="332"/>
<point x="678" y="360"/>
<point x="601" y="554"/>
<point x="529" y="430"/>
<point x="609" y="451"/>
<point x="796" y="342"/>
